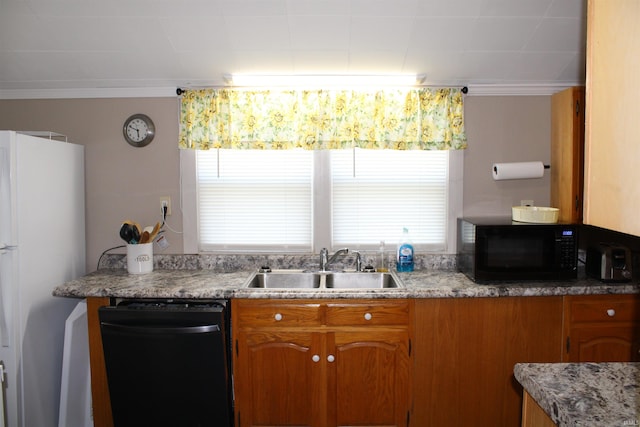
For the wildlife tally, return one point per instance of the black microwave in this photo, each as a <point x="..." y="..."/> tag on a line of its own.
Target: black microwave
<point x="497" y="249"/>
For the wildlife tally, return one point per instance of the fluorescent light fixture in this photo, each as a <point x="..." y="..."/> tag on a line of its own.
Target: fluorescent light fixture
<point x="325" y="79"/>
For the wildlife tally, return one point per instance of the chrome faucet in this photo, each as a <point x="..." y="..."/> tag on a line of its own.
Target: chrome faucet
<point x="325" y="260"/>
<point x="358" y="261"/>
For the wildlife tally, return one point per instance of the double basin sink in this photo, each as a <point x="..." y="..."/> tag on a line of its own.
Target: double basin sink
<point x="323" y="280"/>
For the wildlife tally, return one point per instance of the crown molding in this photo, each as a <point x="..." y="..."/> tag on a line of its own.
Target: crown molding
<point x="518" y="90"/>
<point x="134" y="92"/>
<point x="165" y="92"/>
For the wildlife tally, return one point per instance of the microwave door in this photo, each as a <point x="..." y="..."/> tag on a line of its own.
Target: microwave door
<point x="528" y="253"/>
<point x="516" y="253"/>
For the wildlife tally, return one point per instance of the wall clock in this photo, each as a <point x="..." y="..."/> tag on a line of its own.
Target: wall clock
<point x="139" y="130"/>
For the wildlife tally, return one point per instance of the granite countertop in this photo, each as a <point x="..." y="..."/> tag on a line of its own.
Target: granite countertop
<point x="584" y="394"/>
<point x="204" y="283"/>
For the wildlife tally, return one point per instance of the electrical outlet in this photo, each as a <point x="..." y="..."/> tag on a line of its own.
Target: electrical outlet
<point x="165" y="202"/>
<point x="526" y="202"/>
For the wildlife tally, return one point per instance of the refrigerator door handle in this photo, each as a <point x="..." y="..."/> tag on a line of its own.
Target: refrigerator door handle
<point x="4" y="322"/>
<point x="3" y="402"/>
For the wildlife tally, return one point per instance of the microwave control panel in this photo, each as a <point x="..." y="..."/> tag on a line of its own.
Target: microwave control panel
<point x="568" y="249"/>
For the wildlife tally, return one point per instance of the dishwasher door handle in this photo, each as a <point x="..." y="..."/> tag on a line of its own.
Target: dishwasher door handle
<point x="162" y="329"/>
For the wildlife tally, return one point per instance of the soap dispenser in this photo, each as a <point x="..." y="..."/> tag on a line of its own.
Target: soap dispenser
<point x="404" y="256"/>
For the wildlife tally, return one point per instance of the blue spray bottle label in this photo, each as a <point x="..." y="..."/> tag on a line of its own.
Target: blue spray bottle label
<point x="405" y="254"/>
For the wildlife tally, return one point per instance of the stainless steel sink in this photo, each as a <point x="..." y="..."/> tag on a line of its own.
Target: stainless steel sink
<point x="355" y="280"/>
<point x="285" y="279"/>
<point x="330" y="280"/>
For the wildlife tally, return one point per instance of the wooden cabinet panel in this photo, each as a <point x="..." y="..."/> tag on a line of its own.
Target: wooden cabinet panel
<point x="258" y="313"/>
<point x="603" y="344"/>
<point x="602" y="328"/>
<point x="371" y="382"/>
<point x="611" y="142"/>
<point x="533" y="415"/>
<point x="100" y="399"/>
<point x="567" y="153"/>
<point x="279" y="381"/>
<point x="346" y="363"/>
<point x="465" y="350"/>
<point x="604" y="308"/>
<point x="374" y="313"/>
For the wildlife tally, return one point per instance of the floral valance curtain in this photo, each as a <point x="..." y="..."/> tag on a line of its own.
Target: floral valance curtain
<point x="402" y="119"/>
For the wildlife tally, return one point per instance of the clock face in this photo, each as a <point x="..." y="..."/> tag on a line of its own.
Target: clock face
<point x="138" y="130"/>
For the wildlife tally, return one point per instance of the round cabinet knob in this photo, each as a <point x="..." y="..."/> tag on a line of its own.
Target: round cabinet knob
<point x="331" y="358"/>
<point x="611" y="312"/>
<point x="315" y="358"/>
<point x="278" y="317"/>
<point x="367" y="316"/>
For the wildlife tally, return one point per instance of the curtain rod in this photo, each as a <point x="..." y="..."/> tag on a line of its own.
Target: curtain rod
<point x="180" y="91"/>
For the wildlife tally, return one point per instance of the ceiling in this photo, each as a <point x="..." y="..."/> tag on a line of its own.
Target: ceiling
<point x="69" y="48"/>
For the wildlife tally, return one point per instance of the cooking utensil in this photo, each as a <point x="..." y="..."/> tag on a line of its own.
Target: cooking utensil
<point x="127" y="233"/>
<point x="137" y="231"/>
<point x="154" y="232"/>
<point x="145" y="237"/>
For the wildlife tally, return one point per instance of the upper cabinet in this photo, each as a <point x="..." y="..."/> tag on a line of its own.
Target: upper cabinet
<point x="612" y="150"/>
<point x="567" y="153"/>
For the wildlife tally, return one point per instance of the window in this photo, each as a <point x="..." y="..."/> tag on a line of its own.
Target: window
<point x="377" y="193"/>
<point x="300" y="201"/>
<point x="255" y="199"/>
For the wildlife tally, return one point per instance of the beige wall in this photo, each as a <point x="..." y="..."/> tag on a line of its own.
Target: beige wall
<point x="505" y="129"/>
<point x="123" y="182"/>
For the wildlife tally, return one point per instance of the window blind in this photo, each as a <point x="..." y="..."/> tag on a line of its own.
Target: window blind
<point x="376" y="193"/>
<point x="255" y="200"/>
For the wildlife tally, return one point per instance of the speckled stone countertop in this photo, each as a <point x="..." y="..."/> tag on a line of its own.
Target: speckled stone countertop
<point x="204" y="283"/>
<point x="584" y="394"/>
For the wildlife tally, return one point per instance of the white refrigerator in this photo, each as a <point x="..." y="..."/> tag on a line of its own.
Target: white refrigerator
<point x="42" y="245"/>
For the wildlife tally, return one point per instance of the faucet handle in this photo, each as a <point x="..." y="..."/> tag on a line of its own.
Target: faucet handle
<point x="324" y="259"/>
<point x="358" y="261"/>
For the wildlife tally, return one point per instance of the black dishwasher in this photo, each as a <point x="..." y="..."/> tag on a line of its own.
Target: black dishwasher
<point x="168" y="362"/>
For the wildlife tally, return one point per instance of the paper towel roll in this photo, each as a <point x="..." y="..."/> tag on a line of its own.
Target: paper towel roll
<point x="520" y="170"/>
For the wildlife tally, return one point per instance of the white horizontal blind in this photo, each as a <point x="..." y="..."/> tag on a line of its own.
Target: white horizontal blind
<point x="255" y="200"/>
<point x="376" y="193"/>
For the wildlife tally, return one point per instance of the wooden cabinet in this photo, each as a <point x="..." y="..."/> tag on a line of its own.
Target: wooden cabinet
<point x="100" y="400"/>
<point x="612" y="110"/>
<point x="465" y="351"/>
<point x="567" y="153"/>
<point x="602" y="328"/>
<point x="533" y="415"/>
<point x="322" y="362"/>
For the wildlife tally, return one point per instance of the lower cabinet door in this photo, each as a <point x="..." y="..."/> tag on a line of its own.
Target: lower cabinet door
<point x="369" y="380"/>
<point x="604" y="344"/>
<point x="280" y="382"/>
<point x="322" y="379"/>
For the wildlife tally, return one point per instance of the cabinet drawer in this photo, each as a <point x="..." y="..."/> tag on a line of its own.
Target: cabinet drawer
<point x="257" y="313"/>
<point x="604" y="308"/>
<point x="374" y="312"/>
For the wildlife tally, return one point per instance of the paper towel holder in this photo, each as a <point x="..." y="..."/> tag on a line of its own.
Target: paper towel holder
<point x="495" y="168"/>
<point x="518" y="170"/>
